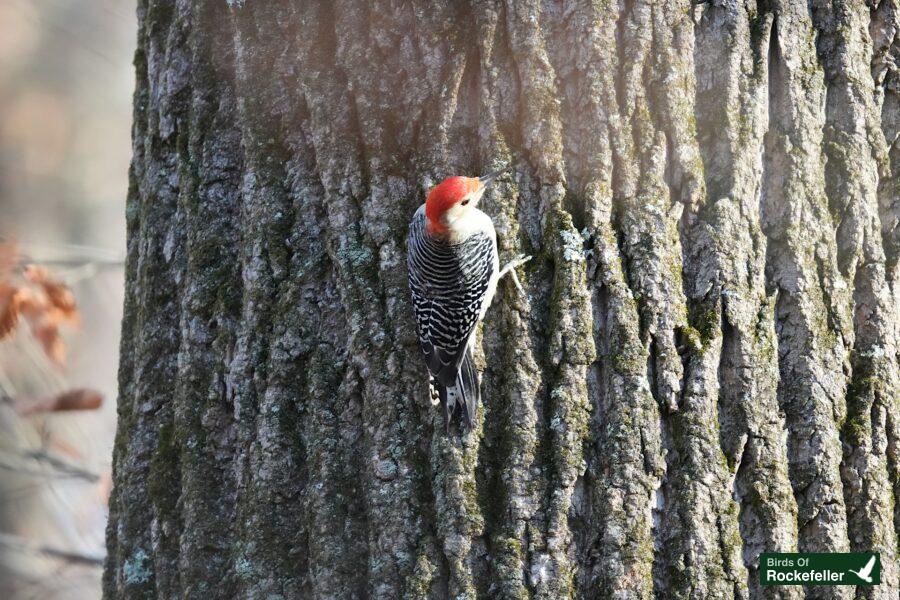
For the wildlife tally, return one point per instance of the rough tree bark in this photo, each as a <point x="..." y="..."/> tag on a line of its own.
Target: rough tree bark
<point x="704" y="366"/>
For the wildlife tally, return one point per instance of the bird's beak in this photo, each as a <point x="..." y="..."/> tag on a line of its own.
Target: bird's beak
<point x="487" y="179"/>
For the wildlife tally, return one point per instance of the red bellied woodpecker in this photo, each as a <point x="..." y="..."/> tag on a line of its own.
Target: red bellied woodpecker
<point x="453" y="273"/>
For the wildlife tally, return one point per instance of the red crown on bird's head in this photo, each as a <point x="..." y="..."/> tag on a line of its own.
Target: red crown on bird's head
<point x="444" y="195"/>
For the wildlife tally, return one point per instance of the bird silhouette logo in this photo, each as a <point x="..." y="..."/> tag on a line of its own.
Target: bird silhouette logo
<point x="866" y="572"/>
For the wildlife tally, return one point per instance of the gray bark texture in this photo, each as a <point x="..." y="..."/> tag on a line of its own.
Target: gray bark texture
<point x="705" y="363"/>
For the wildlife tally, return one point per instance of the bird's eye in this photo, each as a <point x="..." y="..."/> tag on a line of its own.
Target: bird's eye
<point x="464" y="202"/>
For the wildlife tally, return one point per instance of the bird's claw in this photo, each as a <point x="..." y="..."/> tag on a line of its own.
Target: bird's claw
<point x="521" y="260"/>
<point x="518" y="284"/>
<point x="510" y="268"/>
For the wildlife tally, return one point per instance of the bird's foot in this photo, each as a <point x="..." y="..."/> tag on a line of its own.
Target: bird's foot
<point x="510" y="268"/>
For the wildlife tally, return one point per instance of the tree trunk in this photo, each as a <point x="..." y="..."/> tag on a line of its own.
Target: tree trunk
<point x="704" y="365"/>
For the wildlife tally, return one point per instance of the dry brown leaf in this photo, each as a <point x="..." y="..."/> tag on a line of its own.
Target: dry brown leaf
<point x="43" y="301"/>
<point x="36" y="274"/>
<point x="77" y="399"/>
<point x="9" y="309"/>
<point x="55" y="350"/>
<point x="31" y="302"/>
<point x="62" y="299"/>
<point x="46" y="332"/>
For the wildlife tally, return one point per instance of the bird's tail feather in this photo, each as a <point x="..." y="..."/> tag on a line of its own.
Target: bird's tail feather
<point x="467" y="382"/>
<point x="464" y="393"/>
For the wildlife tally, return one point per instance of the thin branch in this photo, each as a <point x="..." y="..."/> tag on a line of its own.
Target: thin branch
<point x="20" y="544"/>
<point x="61" y="468"/>
<point x="51" y="252"/>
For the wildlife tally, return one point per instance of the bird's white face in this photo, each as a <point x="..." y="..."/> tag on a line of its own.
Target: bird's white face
<point x="455" y="217"/>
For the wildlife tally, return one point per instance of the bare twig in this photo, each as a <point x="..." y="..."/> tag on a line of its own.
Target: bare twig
<point x="20" y="544"/>
<point x="48" y="253"/>
<point x="61" y="468"/>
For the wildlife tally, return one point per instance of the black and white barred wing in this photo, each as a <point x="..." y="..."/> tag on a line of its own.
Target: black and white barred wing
<point x="449" y="283"/>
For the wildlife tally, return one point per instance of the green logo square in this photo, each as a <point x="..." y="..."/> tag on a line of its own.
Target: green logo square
<point x="826" y="568"/>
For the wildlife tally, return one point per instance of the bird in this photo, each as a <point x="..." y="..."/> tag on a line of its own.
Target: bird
<point x="454" y="268"/>
<point x="866" y="572"/>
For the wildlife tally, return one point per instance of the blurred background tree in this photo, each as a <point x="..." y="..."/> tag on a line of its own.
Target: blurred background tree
<point x="66" y="83"/>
